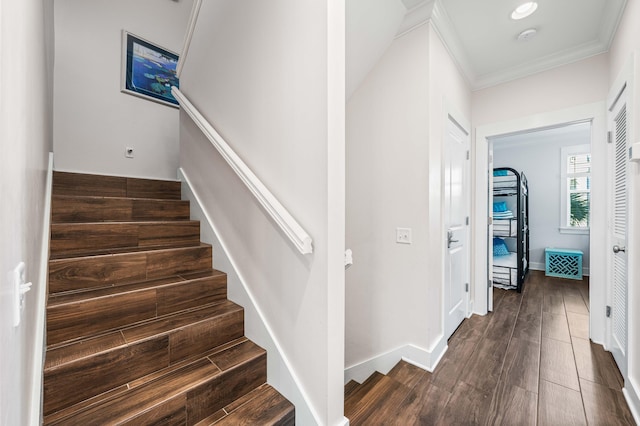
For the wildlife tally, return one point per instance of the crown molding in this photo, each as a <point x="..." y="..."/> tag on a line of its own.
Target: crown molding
<point x="444" y="28"/>
<point x="546" y="63"/>
<point x="433" y="11"/>
<point x="415" y="17"/>
<point x="610" y="21"/>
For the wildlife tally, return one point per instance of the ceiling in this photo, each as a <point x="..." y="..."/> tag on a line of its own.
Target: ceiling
<point x="482" y="37"/>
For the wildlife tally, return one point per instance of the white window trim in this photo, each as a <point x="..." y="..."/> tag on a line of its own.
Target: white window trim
<point x="565" y="151"/>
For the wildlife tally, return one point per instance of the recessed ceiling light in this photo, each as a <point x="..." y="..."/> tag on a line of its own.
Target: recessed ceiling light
<point x="524" y="10"/>
<point x="527" y="35"/>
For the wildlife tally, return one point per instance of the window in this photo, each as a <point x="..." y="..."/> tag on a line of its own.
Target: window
<point x="576" y="189"/>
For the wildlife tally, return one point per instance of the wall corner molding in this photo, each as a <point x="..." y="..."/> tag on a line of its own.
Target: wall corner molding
<point x="38" y="356"/>
<point x="191" y="27"/>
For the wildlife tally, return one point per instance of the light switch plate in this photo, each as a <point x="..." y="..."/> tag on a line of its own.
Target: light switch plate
<point x="403" y="235"/>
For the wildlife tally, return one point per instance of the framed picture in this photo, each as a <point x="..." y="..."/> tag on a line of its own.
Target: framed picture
<point x="148" y="71"/>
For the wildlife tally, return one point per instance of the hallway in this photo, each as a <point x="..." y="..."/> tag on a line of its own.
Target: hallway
<point x="529" y="362"/>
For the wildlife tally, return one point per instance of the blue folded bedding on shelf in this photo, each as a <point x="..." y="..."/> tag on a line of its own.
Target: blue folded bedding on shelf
<point x="500" y="247"/>
<point x="500" y="206"/>
<point x="503" y="215"/>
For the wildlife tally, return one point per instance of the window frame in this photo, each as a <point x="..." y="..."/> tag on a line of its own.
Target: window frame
<point x="565" y="223"/>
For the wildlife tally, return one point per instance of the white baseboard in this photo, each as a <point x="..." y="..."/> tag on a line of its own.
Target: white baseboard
<point x="537" y="266"/>
<point x="632" y="396"/>
<point x="343" y="422"/>
<point x="280" y="374"/>
<point x="383" y="363"/>
<point x="35" y="404"/>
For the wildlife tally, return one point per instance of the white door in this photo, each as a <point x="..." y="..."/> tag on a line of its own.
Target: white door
<point x="456" y="188"/>
<point x="618" y="230"/>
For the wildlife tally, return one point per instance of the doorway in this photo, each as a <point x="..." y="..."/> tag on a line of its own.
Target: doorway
<point x="595" y="114"/>
<point x="550" y="209"/>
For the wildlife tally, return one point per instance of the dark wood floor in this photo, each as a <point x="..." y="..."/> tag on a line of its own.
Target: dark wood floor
<point x="530" y="362"/>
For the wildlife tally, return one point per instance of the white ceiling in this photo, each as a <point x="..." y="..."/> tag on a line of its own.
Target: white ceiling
<point x="482" y="37"/>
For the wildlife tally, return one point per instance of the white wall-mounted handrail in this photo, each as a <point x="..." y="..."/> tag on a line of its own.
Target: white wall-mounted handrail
<point x="269" y="202"/>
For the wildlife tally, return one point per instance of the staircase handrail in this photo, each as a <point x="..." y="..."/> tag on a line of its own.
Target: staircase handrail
<point x="291" y="228"/>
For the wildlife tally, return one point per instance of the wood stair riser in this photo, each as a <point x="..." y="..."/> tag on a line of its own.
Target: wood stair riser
<point x="184" y="397"/>
<point x="99" y="271"/>
<point x="75" y="320"/>
<point x="216" y="394"/>
<point x="90" y="376"/>
<point x="113" y="186"/>
<point x="68" y="209"/>
<point x="72" y="383"/>
<point x="90" y="237"/>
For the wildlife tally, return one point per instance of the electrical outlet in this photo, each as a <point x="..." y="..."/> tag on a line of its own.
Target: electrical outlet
<point x="128" y="152"/>
<point x="403" y="235"/>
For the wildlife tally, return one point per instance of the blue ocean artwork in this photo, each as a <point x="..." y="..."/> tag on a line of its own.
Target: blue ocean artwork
<point x="153" y="73"/>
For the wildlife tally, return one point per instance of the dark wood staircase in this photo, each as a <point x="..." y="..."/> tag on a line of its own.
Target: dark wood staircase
<point x="139" y="327"/>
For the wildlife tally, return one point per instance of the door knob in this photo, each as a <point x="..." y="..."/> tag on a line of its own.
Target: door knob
<point x="617" y="249"/>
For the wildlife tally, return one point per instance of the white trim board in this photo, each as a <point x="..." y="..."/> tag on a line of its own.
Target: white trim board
<point x="286" y="381"/>
<point x="632" y="396"/>
<point x="35" y="403"/>
<point x="383" y="363"/>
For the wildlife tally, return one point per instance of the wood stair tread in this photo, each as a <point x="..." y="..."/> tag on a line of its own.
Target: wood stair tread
<point x="167" y="393"/>
<point x="265" y="407"/>
<point x="68" y="183"/>
<point x="123" y="250"/>
<point x="69" y="238"/>
<point x="84" y="208"/>
<point x="107" y="269"/>
<point x="349" y="388"/>
<point x="77" y="315"/>
<point x="68" y="352"/>
<point x="66" y="298"/>
<point x="382" y="397"/>
<point x="106" y="197"/>
<point x="360" y="391"/>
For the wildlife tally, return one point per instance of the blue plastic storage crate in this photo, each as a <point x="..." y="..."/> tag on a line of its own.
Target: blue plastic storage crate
<point x="563" y="263"/>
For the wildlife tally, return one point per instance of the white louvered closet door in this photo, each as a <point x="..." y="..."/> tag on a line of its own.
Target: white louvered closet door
<point x="619" y="235"/>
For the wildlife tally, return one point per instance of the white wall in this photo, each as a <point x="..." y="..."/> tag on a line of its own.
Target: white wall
<point x="574" y="84"/>
<point x="25" y="141"/>
<point x="370" y="29"/>
<point x="269" y="76"/>
<point x="627" y="39"/>
<point x="93" y="120"/>
<point x="395" y="124"/>
<point x="387" y="187"/>
<point x="541" y="163"/>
